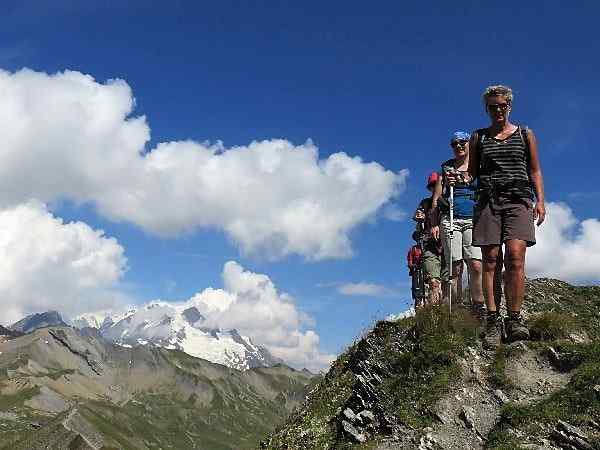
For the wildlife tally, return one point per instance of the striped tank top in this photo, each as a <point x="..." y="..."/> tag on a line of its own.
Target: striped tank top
<point x="504" y="165"/>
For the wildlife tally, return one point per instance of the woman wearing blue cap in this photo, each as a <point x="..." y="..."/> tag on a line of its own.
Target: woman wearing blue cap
<point x="463" y="250"/>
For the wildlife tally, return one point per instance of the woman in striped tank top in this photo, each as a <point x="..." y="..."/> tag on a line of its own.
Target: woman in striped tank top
<point x="504" y="159"/>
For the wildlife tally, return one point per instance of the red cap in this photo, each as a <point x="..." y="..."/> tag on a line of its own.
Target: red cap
<point x="432" y="178"/>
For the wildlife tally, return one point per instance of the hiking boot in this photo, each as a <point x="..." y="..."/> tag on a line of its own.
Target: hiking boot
<point x="478" y="313"/>
<point x="492" y="336"/>
<point x="516" y="329"/>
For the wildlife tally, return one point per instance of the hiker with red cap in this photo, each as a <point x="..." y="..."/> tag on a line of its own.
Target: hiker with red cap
<point x="504" y="160"/>
<point x="426" y="217"/>
<point x="456" y="235"/>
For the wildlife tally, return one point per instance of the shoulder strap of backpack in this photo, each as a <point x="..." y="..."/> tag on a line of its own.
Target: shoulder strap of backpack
<point x="524" y="132"/>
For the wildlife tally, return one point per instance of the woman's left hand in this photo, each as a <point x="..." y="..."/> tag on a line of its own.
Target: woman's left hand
<point x="539" y="213"/>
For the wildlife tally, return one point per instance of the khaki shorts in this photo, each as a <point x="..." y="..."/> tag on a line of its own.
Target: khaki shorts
<point x="501" y="220"/>
<point x="462" y="240"/>
<point x="433" y="264"/>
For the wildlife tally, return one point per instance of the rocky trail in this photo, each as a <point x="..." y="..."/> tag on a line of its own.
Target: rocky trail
<point x="426" y="383"/>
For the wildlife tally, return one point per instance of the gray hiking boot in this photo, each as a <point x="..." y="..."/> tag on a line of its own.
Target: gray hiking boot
<point x="492" y="336"/>
<point x="516" y="330"/>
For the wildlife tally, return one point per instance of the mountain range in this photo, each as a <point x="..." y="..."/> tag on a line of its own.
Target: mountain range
<point x="167" y="325"/>
<point x="65" y="388"/>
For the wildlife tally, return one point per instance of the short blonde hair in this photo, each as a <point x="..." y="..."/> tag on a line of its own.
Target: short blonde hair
<point x="497" y="90"/>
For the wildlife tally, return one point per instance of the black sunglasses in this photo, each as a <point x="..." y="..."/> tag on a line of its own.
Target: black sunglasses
<point x="456" y="144"/>
<point x="498" y="107"/>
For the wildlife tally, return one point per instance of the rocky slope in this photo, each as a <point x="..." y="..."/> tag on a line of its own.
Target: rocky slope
<point x="426" y="383"/>
<point x="60" y="388"/>
<point x="6" y="334"/>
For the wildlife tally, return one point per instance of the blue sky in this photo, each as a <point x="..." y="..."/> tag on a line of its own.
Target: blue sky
<point x="388" y="82"/>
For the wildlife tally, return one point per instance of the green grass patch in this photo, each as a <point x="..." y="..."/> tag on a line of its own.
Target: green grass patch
<point x="580" y="303"/>
<point x="502" y="440"/>
<point x="551" y="325"/>
<point x="425" y="369"/>
<point x="497" y="371"/>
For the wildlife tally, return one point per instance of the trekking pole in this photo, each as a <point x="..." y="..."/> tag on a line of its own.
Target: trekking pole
<point x="451" y="201"/>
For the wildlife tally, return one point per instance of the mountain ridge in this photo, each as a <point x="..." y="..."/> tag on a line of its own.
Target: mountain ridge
<point x="60" y="388"/>
<point x="181" y="326"/>
<point x="163" y="324"/>
<point x="425" y="382"/>
<point x="35" y="321"/>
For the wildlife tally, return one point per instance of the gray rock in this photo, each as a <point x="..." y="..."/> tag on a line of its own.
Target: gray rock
<point x="428" y="442"/>
<point x="349" y="414"/>
<point x="467" y="415"/>
<point x="367" y="416"/>
<point x="501" y="396"/>
<point x="565" y="433"/>
<point x="353" y="433"/>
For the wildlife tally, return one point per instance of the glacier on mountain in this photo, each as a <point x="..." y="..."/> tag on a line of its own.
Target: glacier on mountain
<point x="178" y="326"/>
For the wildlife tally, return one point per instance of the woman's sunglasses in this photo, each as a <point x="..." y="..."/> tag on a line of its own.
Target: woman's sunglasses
<point x="459" y="144"/>
<point x="498" y="107"/>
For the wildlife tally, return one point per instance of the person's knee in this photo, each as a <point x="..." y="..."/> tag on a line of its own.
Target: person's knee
<point x="489" y="263"/>
<point x="514" y="263"/>
<point x="476" y="267"/>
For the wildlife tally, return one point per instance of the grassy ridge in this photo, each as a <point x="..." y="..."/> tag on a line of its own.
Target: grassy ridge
<point x="421" y="355"/>
<point x="562" y="311"/>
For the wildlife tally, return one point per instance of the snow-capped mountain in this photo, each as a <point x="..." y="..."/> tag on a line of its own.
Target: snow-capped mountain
<point x="99" y="320"/>
<point x="179" y="326"/>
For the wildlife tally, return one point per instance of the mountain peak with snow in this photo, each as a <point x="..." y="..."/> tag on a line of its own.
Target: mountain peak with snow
<point x="178" y="326"/>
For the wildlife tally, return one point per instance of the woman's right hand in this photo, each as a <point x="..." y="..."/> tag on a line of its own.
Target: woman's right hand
<point x="435" y="232"/>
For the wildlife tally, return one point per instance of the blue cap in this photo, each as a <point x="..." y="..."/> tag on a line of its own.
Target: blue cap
<point x="460" y="136"/>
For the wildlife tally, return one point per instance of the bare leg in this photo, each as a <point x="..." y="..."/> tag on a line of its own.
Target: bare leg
<point x="475" y="268"/>
<point x="456" y="283"/>
<point x="435" y="291"/>
<point x="490" y="257"/>
<point x="514" y="263"/>
<point x="498" y="279"/>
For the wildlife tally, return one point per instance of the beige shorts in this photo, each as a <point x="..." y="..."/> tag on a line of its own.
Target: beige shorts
<point x="462" y="239"/>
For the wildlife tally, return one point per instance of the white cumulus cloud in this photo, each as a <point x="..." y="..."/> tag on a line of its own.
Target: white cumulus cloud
<point x="250" y="303"/>
<point x="567" y="248"/>
<point x="48" y="264"/>
<point x="72" y="137"/>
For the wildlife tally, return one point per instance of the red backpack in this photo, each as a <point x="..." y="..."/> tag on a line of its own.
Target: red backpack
<point x="413" y="258"/>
